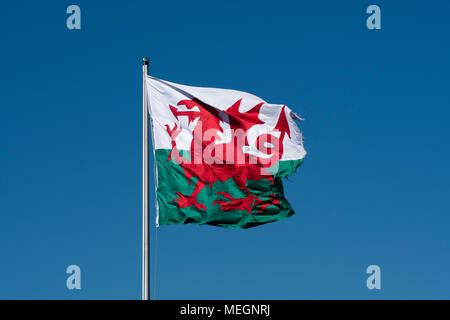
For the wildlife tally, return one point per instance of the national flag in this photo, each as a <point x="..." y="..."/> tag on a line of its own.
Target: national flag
<point x="221" y="155"/>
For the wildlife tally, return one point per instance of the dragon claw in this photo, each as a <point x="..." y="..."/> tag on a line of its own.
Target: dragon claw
<point x="187" y="201"/>
<point x="235" y="203"/>
<point x="173" y="132"/>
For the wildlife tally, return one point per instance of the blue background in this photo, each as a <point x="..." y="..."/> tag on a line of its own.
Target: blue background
<point x="374" y="188"/>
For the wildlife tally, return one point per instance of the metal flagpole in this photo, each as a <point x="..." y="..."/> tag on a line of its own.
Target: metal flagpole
<point x="145" y="205"/>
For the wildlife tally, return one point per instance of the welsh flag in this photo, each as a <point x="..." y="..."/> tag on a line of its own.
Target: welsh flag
<point x="221" y="155"/>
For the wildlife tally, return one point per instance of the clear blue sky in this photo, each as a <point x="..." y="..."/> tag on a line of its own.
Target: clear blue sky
<point x="374" y="188"/>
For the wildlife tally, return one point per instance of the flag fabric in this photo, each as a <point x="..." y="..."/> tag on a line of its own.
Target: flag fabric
<point x="220" y="155"/>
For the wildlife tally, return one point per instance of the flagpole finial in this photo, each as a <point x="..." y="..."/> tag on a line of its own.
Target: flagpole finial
<point x="145" y="61"/>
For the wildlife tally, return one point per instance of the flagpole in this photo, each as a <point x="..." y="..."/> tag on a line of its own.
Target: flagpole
<point x="145" y="184"/>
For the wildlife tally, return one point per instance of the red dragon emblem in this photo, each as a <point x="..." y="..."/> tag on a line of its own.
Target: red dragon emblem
<point x="214" y="158"/>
